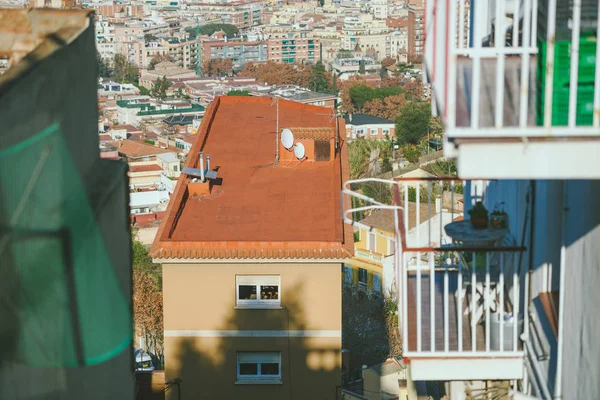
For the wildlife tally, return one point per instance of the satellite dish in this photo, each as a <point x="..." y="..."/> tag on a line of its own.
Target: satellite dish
<point x="299" y="151"/>
<point x="287" y="138"/>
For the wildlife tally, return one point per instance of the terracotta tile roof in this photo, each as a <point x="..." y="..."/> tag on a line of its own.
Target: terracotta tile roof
<point x="144" y="168"/>
<point x="260" y="210"/>
<point x="313" y="133"/>
<point x="134" y="149"/>
<point x="127" y="127"/>
<point x="105" y="137"/>
<point x="384" y="219"/>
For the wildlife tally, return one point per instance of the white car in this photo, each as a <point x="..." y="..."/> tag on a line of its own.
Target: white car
<point x="143" y="361"/>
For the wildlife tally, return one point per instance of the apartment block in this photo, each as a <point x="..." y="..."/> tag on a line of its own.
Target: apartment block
<point x="240" y="52"/>
<point x="244" y="15"/>
<point x="266" y="250"/>
<point x="294" y="50"/>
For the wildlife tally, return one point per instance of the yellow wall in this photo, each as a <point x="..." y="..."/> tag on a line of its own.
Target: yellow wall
<point x="202" y="298"/>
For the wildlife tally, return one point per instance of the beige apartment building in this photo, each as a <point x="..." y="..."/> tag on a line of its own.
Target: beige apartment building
<point x="252" y="255"/>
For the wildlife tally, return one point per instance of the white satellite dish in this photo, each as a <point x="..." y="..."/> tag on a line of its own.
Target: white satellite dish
<point x="287" y="138"/>
<point x="299" y="151"/>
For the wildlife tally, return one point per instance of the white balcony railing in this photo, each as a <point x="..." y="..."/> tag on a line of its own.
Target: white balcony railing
<point x="460" y="300"/>
<point x="515" y="69"/>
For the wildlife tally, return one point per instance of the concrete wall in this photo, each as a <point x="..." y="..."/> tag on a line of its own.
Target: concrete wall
<point x="201" y="300"/>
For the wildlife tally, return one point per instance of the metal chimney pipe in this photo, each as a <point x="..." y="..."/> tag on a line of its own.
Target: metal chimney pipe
<point x="201" y="161"/>
<point x="208" y="162"/>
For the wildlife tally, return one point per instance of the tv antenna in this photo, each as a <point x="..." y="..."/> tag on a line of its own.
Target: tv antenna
<point x="335" y="116"/>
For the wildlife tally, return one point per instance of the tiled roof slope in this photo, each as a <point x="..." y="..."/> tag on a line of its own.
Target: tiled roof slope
<point x="261" y="210"/>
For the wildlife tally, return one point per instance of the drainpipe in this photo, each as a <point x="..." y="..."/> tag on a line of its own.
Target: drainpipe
<point x="561" y="296"/>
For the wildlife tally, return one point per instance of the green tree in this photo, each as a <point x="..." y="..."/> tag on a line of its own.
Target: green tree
<point x="344" y="54"/>
<point x="360" y="95"/>
<point x="318" y="80"/>
<point x="413" y="122"/>
<point x="361" y="67"/>
<point x="411" y="153"/>
<point x="124" y="71"/>
<point x="103" y="68"/>
<point x="238" y="93"/>
<point x="209" y="29"/>
<point x="160" y="88"/>
<point x="148" y="37"/>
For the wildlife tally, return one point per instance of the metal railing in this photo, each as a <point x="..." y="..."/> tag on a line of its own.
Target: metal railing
<point x="454" y="299"/>
<point x="529" y="70"/>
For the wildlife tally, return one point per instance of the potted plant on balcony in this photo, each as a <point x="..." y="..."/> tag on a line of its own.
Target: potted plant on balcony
<point x="499" y="218"/>
<point x="479" y="216"/>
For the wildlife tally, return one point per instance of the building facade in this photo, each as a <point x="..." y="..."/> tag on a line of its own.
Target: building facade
<point x="274" y="322"/>
<point x="241" y="53"/>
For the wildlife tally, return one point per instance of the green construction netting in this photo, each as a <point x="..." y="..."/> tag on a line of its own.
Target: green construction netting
<point x="60" y="300"/>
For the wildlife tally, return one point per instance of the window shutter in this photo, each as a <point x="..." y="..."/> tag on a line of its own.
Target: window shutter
<point x="258" y="280"/>
<point x="376" y="282"/>
<point x="251" y="358"/>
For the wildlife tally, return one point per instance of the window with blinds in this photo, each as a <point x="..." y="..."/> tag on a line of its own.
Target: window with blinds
<point x="258" y="365"/>
<point x="257" y="291"/>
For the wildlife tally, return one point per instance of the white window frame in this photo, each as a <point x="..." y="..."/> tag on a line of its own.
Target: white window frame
<point x="258" y="280"/>
<point x="385" y="131"/>
<point x="265" y="355"/>
<point x="373" y="131"/>
<point x="371" y="237"/>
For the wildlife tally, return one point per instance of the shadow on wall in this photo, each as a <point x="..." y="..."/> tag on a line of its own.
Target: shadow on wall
<point x="365" y="333"/>
<point x="310" y="366"/>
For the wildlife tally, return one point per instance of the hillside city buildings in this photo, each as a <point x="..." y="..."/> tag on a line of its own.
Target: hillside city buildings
<point x="285" y="260"/>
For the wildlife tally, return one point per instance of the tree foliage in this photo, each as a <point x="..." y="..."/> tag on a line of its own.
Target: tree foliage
<point x="218" y="67"/>
<point x="318" y="79"/>
<point x="362" y="94"/>
<point x="344" y="54"/>
<point x="124" y="71"/>
<point x="147" y="299"/>
<point x="388" y="62"/>
<point x="413" y="122"/>
<point x="157" y="59"/>
<point x="209" y="29"/>
<point x="411" y="153"/>
<point x="148" y="37"/>
<point x="104" y="70"/>
<point x="160" y="88"/>
<point x="273" y="73"/>
<point x="388" y="108"/>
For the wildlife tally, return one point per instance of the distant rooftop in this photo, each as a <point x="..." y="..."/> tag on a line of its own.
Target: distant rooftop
<point x="259" y="210"/>
<point x="366" y="119"/>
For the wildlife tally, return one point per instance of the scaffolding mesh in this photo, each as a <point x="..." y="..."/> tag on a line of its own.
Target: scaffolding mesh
<point x="61" y="304"/>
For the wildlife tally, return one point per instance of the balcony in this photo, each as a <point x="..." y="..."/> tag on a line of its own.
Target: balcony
<point x="460" y="290"/>
<point x="519" y="95"/>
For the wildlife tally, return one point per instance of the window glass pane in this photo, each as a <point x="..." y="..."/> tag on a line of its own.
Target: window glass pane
<point x="269" y="369"/>
<point x="248" y="369"/>
<point x="362" y="275"/>
<point x="269" y="292"/>
<point x="247" y="292"/>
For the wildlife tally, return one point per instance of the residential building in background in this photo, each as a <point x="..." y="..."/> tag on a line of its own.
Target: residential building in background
<point x="240" y="52"/>
<point x="294" y="50"/>
<point x="368" y="126"/>
<point x="263" y="230"/>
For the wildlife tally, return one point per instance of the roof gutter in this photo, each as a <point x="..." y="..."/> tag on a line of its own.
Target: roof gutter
<point x="249" y="260"/>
